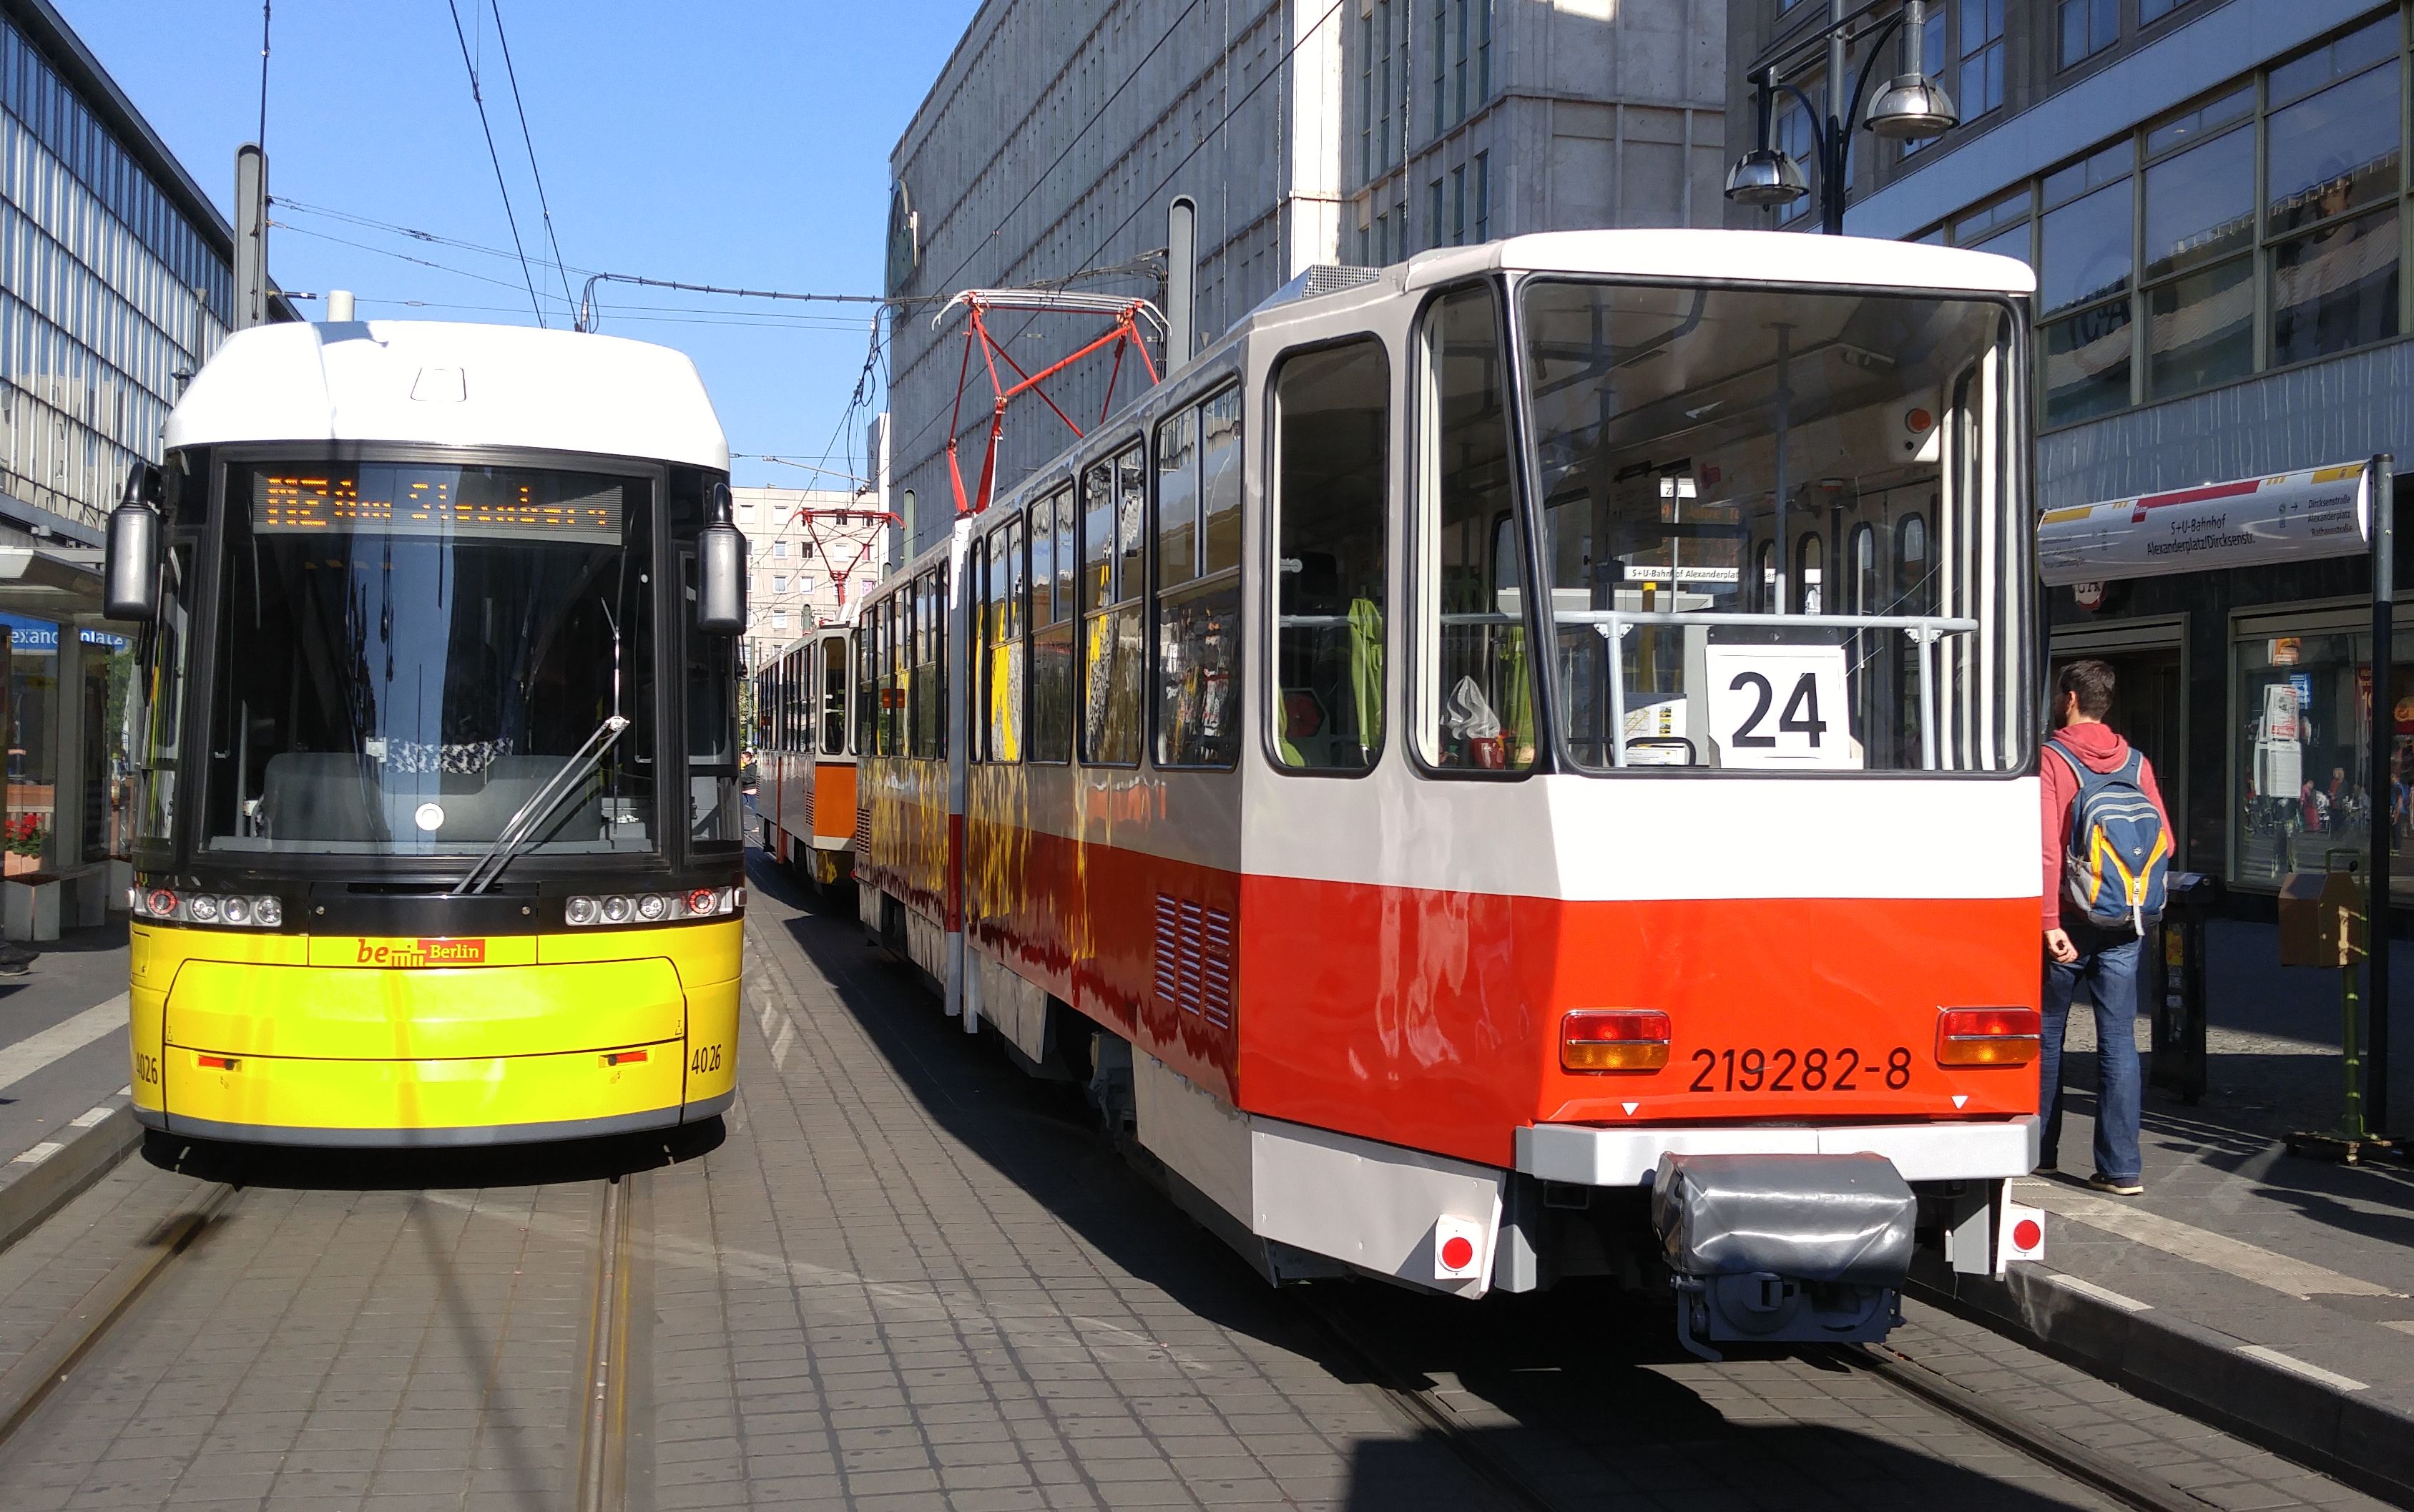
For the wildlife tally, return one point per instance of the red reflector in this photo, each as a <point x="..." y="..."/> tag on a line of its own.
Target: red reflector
<point x="2028" y="1234"/>
<point x="1458" y="1252"/>
<point x="218" y="1062"/>
<point x="1987" y="1036"/>
<point x="622" y="1058"/>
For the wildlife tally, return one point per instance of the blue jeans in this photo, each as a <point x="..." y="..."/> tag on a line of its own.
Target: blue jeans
<point x="2108" y="963"/>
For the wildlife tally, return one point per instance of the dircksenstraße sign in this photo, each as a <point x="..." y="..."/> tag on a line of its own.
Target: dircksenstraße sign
<point x="2290" y="516"/>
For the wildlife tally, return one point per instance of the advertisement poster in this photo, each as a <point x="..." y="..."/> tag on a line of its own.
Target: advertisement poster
<point x="2291" y="516"/>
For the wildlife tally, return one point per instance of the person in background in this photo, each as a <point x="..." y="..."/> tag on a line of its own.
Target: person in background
<point x="2078" y="951"/>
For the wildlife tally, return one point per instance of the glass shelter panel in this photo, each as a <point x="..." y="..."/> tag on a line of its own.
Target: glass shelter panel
<point x="1681" y="433"/>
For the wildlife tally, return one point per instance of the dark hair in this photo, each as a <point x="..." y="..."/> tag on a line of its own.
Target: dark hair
<point x="2092" y="680"/>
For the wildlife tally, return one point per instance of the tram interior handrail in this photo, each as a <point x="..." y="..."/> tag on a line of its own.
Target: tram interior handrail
<point x="540" y="807"/>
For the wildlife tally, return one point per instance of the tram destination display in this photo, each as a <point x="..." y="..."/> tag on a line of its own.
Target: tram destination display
<point x="2290" y="516"/>
<point x="510" y="503"/>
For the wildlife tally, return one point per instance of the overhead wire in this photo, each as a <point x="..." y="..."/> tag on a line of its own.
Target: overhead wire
<point x="544" y="207"/>
<point x="478" y="95"/>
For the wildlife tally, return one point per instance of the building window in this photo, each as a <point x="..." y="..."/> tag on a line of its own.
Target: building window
<point x="2331" y="155"/>
<point x="780" y="622"/>
<point x="1458" y="60"/>
<point x="780" y="549"/>
<point x="2001" y="226"/>
<point x="1483" y="192"/>
<point x="779" y="582"/>
<point x="2083" y="287"/>
<point x="2301" y="761"/>
<point x="1483" y="50"/>
<point x="1458" y="207"/>
<point x="2200" y="225"/>
<point x="2150" y="11"/>
<point x="1795" y="138"/>
<point x="2088" y="27"/>
<point x="1982" y="57"/>
<point x="1440" y="67"/>
<point x="804" y="583"/>
<point x="1434" y="234"/>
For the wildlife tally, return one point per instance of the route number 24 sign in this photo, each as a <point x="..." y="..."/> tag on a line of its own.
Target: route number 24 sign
<point x="1780" y="707"/>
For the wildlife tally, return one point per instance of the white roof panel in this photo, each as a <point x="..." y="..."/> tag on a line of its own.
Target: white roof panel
<point x="448" y="384"/>
<point x="1734" y="256"/>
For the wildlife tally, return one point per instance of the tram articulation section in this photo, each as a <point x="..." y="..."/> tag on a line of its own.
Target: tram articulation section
<point x="435" y="727"/>
<point x="1423" y="769"/>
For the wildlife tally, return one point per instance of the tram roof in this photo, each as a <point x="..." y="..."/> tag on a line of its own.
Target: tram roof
<point x="1735" y="256"/>
<point x="450" y="383"/>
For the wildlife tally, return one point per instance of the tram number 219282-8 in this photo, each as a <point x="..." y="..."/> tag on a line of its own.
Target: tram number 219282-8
<point x="1780" y="706"/>
<point x="1782" y="1070"/>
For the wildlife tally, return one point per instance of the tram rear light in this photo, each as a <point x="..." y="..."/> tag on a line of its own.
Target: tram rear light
<point x="1614" y="1039"/>
<point x="163" y="903"/>
<point x="1987" y="1036"/>
<point x="700" y="901"/>
<point x="623" y="1058"/>
<point x="218" y="1063"/>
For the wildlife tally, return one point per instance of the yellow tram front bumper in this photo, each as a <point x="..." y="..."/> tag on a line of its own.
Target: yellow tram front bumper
<point x="308" y="1040"/>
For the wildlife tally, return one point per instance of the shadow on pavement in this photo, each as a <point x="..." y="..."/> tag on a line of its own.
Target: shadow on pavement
<point x="411" y="1170"/>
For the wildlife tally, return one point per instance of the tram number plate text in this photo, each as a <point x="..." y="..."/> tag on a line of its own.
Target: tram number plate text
<point x="1780" y="707"/>
<point x="1800" y="1071"/>
<point x="146" y="1068"/>
<point x="706" y="1058"/>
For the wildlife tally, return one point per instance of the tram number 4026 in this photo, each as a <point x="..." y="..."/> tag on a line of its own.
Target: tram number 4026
<point x="1800" y="1071"/>
<point x="703" y="1059"/>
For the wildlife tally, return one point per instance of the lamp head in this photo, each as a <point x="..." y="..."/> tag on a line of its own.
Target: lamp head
<point x="1765" y="176"/>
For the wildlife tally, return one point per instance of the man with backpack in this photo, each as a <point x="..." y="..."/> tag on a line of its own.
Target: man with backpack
<point x="2106" y="853"/>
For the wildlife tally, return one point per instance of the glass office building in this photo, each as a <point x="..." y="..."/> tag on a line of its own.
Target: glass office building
<point x="116" y="278"/>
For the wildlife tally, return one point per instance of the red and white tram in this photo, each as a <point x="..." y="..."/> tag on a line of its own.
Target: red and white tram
<point x="1516" y="764"/>
<point x="805" y="793"/>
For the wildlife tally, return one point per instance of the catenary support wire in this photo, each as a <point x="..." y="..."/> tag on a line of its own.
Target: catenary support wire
<point x="478" y="96"/>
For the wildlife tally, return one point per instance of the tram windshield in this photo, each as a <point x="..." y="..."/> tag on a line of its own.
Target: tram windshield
<point x="1777" y="529"/>
<point x="407" y="652"/>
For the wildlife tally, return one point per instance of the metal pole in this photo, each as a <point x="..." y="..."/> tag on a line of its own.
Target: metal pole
<point x="250" y="237"/>
<point x="1831" y="172"/>
<point x="2381" y="492"/>
<point x="1181" y="276"/>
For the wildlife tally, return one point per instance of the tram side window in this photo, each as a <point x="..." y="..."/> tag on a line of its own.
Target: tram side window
<point x="1475" y="690"/>
<point x="930" y="665"/>
<point x="1051" y="628"/>
<point x="1199" y="606"/>
<point x="154" y="709"/>
<point x="1003" y="685"/>
<point x="714" y="819"/>
<point x="1333" y="409"/>
<point x="833" y="676"/>
<point x="1114" y="504"/>
<point x="883" y="626"/>
<point x="866" y="687"/>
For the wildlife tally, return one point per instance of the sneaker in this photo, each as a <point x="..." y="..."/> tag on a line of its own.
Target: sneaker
<point x="2131" y="1188"/>
<point x="2046" y="1171"/>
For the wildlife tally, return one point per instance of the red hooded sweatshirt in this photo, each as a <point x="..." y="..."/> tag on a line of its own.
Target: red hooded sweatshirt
<point x="2103" y="750"/>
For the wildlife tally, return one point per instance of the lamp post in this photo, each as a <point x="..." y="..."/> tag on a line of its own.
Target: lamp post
<point x="1910" y="107"/>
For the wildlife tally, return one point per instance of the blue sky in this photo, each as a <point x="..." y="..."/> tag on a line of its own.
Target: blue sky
<point x="738" y="142"/>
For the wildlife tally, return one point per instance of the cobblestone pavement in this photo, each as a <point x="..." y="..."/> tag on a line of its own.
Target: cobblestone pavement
<point x="910" y="1276"/>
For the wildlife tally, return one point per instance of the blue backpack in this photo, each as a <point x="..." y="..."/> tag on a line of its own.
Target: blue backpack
<point x="2118" y="857"/>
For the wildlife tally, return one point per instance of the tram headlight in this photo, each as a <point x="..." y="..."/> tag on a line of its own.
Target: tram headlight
<point x="581" y="911"/>
<point x="617" y="910"/>
<point x="653" y="906"/>
<point x="202" y="908"/>
<point x="242" y="910"/>
<point x="237" y="909"/>
<point x="267" y="913"/>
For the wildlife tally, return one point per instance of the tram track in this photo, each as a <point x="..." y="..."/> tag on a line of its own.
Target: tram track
<point x="1423" y="1403"/>
<point x="42" y="1369"/>
<point x="602" y="1481"/>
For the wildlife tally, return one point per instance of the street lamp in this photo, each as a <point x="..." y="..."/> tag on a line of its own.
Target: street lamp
<point x="1910" y="107"/>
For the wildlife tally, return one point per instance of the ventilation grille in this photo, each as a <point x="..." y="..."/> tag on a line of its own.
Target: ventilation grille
<point x="1194" y="959"/>
<point x="863" y="833"/>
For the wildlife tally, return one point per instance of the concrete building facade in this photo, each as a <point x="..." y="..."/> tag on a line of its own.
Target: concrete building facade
<point x="1307" y="131"/>
<point x="810" y="553"/>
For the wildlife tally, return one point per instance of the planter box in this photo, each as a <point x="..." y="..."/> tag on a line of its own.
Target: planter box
<point x="29" y="908"/>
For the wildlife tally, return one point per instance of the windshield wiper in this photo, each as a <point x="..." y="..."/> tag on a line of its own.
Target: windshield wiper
<point x="540" y="807"/>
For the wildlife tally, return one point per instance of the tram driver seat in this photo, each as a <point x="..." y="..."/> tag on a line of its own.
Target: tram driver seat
<point x="319" y="796"/>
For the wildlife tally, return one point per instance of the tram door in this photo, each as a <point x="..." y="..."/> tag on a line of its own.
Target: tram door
<point x="2148" y="691"/>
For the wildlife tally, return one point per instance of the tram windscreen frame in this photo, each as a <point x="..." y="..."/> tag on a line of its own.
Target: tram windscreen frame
<point x="407" y="651"/>
<point x="1725" y="478"/>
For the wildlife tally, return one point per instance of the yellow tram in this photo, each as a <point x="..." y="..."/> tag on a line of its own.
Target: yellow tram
<point x="436" y="739"/>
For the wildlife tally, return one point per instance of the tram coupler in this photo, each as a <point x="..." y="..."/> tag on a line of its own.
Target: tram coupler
<point x="1783" y="1249"/>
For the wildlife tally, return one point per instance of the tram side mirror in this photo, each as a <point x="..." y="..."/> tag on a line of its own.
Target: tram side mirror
<point x="721" y="563"/>
<point x="130" y="562"/>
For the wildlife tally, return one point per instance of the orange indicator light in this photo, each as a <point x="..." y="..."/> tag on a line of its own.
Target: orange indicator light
<point x="1987" y="1036"/>
<point x="622" y="1058"/>
<point x="1614" y="1039"/>
<point x="218" y="1062"/>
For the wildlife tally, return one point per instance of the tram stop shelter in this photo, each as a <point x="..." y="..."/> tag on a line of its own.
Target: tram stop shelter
<point x="67" y="833"/>
<point x="2239" y="618"/>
